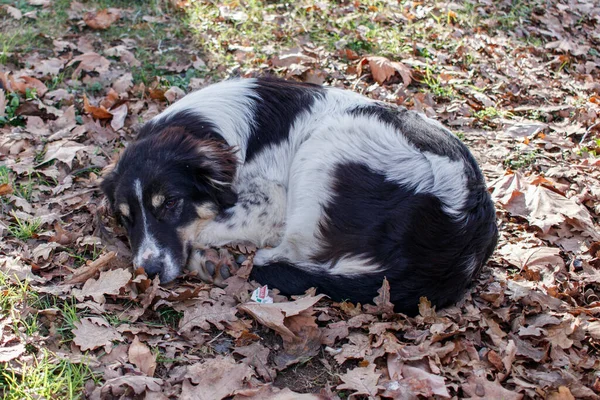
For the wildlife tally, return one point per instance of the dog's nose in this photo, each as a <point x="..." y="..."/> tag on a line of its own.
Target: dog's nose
<point x="152" y="268"/>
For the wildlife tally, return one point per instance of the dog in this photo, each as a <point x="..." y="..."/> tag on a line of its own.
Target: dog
<point x="336" y="190"/>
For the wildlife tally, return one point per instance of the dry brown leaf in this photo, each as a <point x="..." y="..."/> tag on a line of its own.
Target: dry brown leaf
<point x="541" y="206"/>
<point x="305" y="343"/>
<point x="109" y="282"/>
<point x="201" y="314"/>
<point x="138" y="383"/>
<point x="257" y="356"/>
<point x="110" y="99"/>
<point x="173" y="94"/>
<point x="383" y="69"/>
<point x="141" y="356"/>
<point x="269" y="392"/>
<point x="63" y="150"/>
<point x="273" y="315"/>
<point x="119" y="114"/>
<point x="481" y="388"/>
<point x="563" y="393"/>
<point x="23" y="83"/>
<point x="383" y="305"/>
<point x="5" y="189"/>
<point x="13" y="12"/>
<point x="334" y="332"/>
<point x="8" y="353"/>
<point x="102" y="19"/>
<point x="417" y="377"/>
<point x="94" y="111"/>
<point x="214" y="379"/>
<point x="358" y="348"/>
<point x="93" y="332"/>
<point x="89" y="62"/>
<point x="362" y="380"/>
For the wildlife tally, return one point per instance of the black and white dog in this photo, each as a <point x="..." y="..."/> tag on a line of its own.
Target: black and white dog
<point x="338" y="191"/>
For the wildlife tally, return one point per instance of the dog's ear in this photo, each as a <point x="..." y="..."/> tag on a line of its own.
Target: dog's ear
<point x="108" y="184"/>
<point x="210" y="161"/>
<point x="216" y="165"/>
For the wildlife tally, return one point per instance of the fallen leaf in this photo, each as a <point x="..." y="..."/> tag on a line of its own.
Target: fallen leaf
<point x="173" y="94"/>
<point x="89" y="62"/>
<point x="415" y="375"/>
<point x="95" y="111"/>
<point x="138" y="383"/>
<point x="273" y="315"/>
<point x="257" y="356"/>
<point x="214" y="379"/>
<point x="481" y="388"/>
<point x="102" y="19"/>
<point x="201" y="314"/>
<point x="141" y="356"/>
<point x="109" y="282"/>
<point x="119" y="114"/>
<point x="361" y="380"/>
<point x="8" y="353"/>
<point x="63" y="150"/>
<point x="24" y="83"/>
<point x="13" y="12"/>
<point x="383" y="305"/>
<point x="5" y="189"/>
<point x="93" y="332"/>
<point x="383" y="69"/>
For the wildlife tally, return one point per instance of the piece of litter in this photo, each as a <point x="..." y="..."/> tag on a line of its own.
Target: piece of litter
<point x="261" y="295"/>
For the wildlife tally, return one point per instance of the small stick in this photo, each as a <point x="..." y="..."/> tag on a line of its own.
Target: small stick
<point x="85" y="273"/>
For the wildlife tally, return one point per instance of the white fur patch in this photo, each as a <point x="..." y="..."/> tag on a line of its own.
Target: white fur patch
<point x="157" y="200"/>
<point x="149" y="248"/>
<point x="229" y="105"/>
<point x="124" y="209"/>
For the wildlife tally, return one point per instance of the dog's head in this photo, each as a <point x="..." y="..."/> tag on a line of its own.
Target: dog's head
<point x="164" y="189"/>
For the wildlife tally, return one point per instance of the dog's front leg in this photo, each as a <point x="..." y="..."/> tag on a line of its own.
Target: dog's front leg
<point x="258" y="218"/>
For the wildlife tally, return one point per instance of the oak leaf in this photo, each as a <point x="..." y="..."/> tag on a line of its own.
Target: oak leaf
<point x="98" y="112"/>
<point x="203" y="314"/>
<point x="214" y="379"/>
<point x="109" y="282"/>
<point x="274" y="315"/>
<point x="93" y="332"/>
<point x="141" y="356"/>
<point x="383" y="69"/>
<point x="362" y="380"/>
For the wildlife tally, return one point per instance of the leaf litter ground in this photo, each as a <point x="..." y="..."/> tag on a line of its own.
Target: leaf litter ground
<point x="517" y="81"/>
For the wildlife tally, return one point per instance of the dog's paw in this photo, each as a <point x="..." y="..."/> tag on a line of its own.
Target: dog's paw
<point x="212" y="266"/>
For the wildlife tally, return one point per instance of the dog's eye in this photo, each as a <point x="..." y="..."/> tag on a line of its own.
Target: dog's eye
<point x="169" y="204"/>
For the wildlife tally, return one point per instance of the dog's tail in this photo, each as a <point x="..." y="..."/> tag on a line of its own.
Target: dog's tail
<point x="292" y="280"/>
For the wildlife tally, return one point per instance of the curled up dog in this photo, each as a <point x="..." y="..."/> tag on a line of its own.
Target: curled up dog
<point x="336" y="190"/>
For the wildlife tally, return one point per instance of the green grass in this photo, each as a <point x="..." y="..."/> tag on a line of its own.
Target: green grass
<point x="521" y="160"/>
<point x="44" y="378"/>
<point x="5" y="175"/>
<point x="24" y="229"/>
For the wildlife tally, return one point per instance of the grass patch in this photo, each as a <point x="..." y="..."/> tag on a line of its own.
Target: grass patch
<point x="24" y="229"/>
<point x="521" y="160"/>
<point x="44" y="378"/>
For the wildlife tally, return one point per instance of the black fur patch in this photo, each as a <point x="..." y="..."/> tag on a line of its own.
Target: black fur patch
<point x="280" y="103"/>
<point x="422" y="251"/>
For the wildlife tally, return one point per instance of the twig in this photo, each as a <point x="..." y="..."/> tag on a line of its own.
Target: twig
<point x="83" y="274"/>
<point x="587" y="132"/>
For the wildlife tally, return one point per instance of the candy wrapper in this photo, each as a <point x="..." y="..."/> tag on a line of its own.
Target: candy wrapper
<point x="261" y="295"/>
